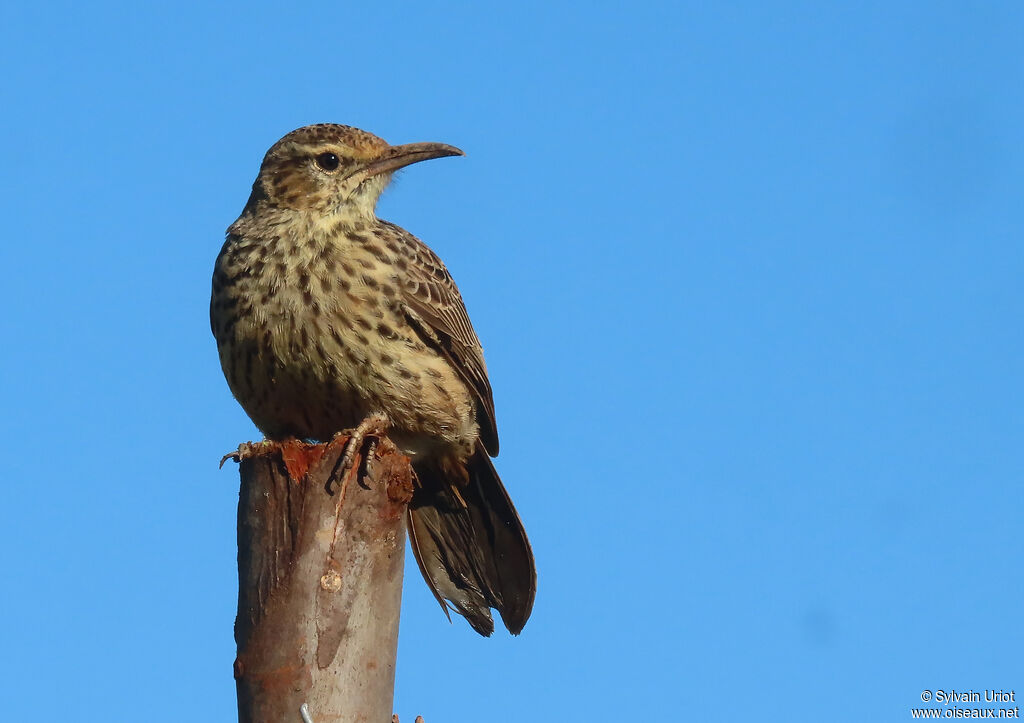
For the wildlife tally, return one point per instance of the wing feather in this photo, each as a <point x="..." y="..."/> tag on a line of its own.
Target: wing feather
<point x="434" y="307"/>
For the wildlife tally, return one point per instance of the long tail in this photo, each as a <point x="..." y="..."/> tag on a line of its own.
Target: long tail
<point x="471" y="546"/>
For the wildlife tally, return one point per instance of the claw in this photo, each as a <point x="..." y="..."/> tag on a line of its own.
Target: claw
<point x="374" y="426"/>
<point x="245" y="451"/>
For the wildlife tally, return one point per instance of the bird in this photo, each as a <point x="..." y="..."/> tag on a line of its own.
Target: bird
<point x="328" y="318"/>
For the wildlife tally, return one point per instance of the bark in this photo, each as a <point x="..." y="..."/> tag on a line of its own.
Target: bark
<point x="320" y="565"/>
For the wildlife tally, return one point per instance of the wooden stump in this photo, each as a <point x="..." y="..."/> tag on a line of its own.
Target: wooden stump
<point x="320" y="563"/>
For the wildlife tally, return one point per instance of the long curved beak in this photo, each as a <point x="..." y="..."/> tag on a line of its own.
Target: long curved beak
<point x="397" y="157"/>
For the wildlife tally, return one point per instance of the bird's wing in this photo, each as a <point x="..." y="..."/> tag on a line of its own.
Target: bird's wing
<point x="435" y="309"/>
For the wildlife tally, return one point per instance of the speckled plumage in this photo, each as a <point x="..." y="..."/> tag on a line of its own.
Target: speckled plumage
<point x="325" y="314"/>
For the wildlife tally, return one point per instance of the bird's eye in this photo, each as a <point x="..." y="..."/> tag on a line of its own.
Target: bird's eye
<point x="328" y="161"/>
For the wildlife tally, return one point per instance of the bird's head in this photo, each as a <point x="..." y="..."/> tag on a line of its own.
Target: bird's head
<point x="333" y="169"/>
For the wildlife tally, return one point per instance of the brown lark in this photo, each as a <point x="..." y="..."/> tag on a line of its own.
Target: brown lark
<point x="326" y="316"/>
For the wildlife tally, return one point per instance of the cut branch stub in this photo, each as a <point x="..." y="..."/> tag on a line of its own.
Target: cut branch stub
<point x="320" y="561"/>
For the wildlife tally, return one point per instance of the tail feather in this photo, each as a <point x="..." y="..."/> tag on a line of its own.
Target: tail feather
<point x="471" y="546"/>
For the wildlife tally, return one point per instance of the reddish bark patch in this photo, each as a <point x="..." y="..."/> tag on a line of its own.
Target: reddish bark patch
<point x="299" y="457"/>
<point x="395" y="468"/>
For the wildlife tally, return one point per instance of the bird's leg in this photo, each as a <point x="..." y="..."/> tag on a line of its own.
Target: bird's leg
<point x="373" y="426"/>
<point x="248" y="449"/>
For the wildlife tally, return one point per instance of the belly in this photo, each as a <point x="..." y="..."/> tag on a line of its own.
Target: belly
<point x="310" y="374"/>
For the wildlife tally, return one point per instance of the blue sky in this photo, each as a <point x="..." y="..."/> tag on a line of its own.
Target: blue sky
<point x="748" y="281"/>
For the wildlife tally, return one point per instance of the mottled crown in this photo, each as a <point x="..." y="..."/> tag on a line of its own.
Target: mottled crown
<point x="362" y="145"/>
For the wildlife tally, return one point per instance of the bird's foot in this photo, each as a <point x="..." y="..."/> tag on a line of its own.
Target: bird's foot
<point x="373" y="427"/>
<point x="249" y="449"/>
<point x="298" y="456"/>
